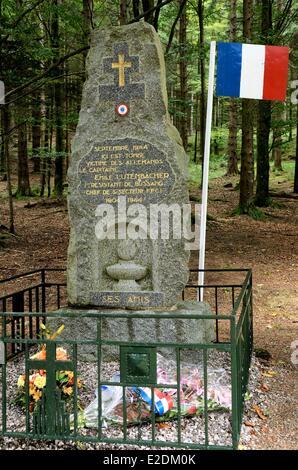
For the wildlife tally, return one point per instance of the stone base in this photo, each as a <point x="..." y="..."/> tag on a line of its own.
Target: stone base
<point x="136" y="330"/>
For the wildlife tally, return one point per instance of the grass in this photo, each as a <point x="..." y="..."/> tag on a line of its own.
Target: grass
<point x="218" y="163"/>
<point x="217" y="168"/>
<point x="253" y="212"/>
<point x="277" y="176"/>
<point x="34" y="193"/>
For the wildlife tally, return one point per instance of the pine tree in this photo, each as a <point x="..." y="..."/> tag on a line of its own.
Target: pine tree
<point x="233" y="108"/>
<point x="247" y="161"/>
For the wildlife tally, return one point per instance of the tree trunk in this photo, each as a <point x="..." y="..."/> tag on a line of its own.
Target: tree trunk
<point x="195" y="158"/>
<point x="191" y="115"/>
<point x="278" y="115"/>
<point x="156" y="16"/>
<point x="2" y="110"/>
<point x="136" y="8"/>
<point x="264" y="124"/>
<point x="200" y="11"/>
<point x="233" y="108"/>
<point x="232" y="142"/>
<point x="2" y="145"/>
<point x="50" y="145"/>
<point x="247" y="163"/>
<point x="36" y="136"/>
<point x="6" y="124"/>
<point x="279" y="118"/>
<point x="87" y="22"/>
<point x="123" y="16"/>
<point x="277" y="155"/>
<point x="88" y="8"/>
<point x="147" y="5"/>
<point x="58" y="108"/>
<point x="215" y="111"/>
<point x="46" y="106"/>
<point x="264" y="121"/>
<point x="59" y="142"/>
<point x="66" y="113"/>
<point x="290" y="121"/>
<point x="23" y="169"/>
<point x="183" y="128"/>
<point x="296" y="159"/>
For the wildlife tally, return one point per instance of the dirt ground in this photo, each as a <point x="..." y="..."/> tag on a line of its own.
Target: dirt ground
<point x="269" y="247"/>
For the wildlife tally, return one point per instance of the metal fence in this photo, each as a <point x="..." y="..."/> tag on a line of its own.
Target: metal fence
<point x="135" y="359"/>
<point x="42" y="290"/>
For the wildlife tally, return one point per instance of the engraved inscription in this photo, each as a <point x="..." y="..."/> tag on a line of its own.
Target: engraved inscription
<point x="125" y="167"/>
<point x="128" y="299"/>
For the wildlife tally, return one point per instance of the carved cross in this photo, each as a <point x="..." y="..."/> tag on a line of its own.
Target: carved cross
<point x="121" y="65"/>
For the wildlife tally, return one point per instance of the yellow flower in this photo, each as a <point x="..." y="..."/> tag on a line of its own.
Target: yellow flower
<point x="40" y="381"/>
<point x="21" y="381"/>
<point x="36" y="395"/>
<point x="61" y="354"/>
<point x="32" y="378"/>
<point x="57" y="333"/>
<point x="40" y="355"/>
<point x="67" y="390"/>
<point x="31" y="389"/>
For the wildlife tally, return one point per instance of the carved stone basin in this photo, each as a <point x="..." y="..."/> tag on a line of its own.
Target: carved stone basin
<point x="126" y="270"/>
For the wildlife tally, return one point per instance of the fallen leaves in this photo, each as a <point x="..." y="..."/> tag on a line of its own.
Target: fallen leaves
<point x="264" y="388"/>
<point x="163" y="425"/>
<point x="259" y="412"/>
<point x="249" y="424"/>
<point x="264" y="429"/>
<point x="269" y="373"/>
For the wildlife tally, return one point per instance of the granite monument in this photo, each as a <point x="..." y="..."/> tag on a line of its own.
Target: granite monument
<point x="127" y="151"/>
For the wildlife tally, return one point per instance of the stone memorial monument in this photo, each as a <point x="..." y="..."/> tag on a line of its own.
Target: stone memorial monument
<point x="126" y="152"/>
<point x="125" y="145"/>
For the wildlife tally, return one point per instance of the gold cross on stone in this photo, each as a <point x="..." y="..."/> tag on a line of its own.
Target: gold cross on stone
<point x="125" y="68"/>
<point x="121" y="65"/>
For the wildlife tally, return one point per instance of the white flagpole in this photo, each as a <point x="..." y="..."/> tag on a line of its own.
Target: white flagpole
<point x="200" y="292"/>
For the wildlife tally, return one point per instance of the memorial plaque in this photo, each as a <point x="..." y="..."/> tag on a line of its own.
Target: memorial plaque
<point x="125" y="167"/>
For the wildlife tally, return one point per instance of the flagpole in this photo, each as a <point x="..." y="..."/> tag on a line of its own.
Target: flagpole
<point x="200" y="292"/>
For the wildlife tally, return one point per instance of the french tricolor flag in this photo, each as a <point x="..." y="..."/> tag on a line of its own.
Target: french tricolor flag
<point x="252" y="71"/>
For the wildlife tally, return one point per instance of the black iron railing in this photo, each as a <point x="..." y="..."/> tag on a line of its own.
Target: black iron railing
<point x="41" y="292"/>
<point x="29" y="298"/>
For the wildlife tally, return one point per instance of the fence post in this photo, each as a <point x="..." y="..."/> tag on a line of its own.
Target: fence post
<point x="18" y="302"/>
<point x="235" y="383"/>
<point x="43" y="290"/>
<point x="251" y="314"/>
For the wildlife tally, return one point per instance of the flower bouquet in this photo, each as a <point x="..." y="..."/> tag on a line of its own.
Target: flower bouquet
<point x="38" y="378"/>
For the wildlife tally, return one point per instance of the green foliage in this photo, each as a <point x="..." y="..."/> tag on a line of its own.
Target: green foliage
<point x="27" y="50"/>
<point x="217" y="169"/>
<point x="44" y="154"/>
<point x="253" y="212"/>
<point x="4" y="237"/>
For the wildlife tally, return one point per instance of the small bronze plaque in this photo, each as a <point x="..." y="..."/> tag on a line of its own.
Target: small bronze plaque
<point x="138" y="365"/>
